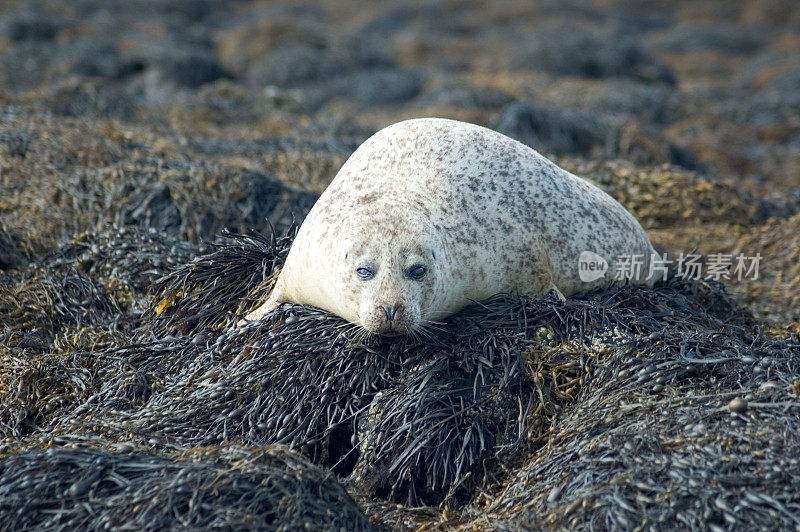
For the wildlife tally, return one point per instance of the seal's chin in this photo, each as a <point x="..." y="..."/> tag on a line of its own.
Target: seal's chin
<point x="389" y="321"/>
<point x="389" y="328"/>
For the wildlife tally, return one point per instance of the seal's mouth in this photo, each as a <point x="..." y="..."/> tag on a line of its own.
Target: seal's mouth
<point x="388" y="321"/>
<point x="390" y="329"/>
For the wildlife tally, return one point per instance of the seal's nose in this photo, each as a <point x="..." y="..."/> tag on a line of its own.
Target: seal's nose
<point x="390" y="311"/>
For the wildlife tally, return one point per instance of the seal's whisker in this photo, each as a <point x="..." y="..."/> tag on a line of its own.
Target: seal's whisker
<point x="434" y="326"/>
<point x="420" y="335"/>
<point x="427" y="330"/>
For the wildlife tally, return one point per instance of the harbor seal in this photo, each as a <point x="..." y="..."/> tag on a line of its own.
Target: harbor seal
<point x="431" y="214"/>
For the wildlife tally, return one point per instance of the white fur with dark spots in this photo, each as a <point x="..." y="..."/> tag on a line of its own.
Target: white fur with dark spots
<point x="496" y="215"/>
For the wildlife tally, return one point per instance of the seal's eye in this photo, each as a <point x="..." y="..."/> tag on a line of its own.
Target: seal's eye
<point x="417" y="272"/>
<point x="365" y="273"/>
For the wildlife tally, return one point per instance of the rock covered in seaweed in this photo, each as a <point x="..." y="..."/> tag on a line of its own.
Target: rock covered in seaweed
<point x="233" y="488"/>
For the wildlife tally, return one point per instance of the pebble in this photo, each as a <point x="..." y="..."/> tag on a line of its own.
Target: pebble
<point x="737" y="404"/>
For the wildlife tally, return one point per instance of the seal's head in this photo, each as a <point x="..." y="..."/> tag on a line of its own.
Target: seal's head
<point x="392" y="271"/>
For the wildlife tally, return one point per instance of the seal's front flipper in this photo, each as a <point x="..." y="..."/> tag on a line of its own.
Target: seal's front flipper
<point x="261" y="311"/>
<point x="257" y="314"/>
<point x="554" y="288"/>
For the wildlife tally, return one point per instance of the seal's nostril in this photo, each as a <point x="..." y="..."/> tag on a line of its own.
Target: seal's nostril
<point x="390" y="311"/>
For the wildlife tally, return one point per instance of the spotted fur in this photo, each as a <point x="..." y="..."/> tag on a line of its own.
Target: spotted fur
<point x="496" y="215"/>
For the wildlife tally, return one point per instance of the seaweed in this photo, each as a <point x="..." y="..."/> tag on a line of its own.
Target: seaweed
<point x="231" y="488"/>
